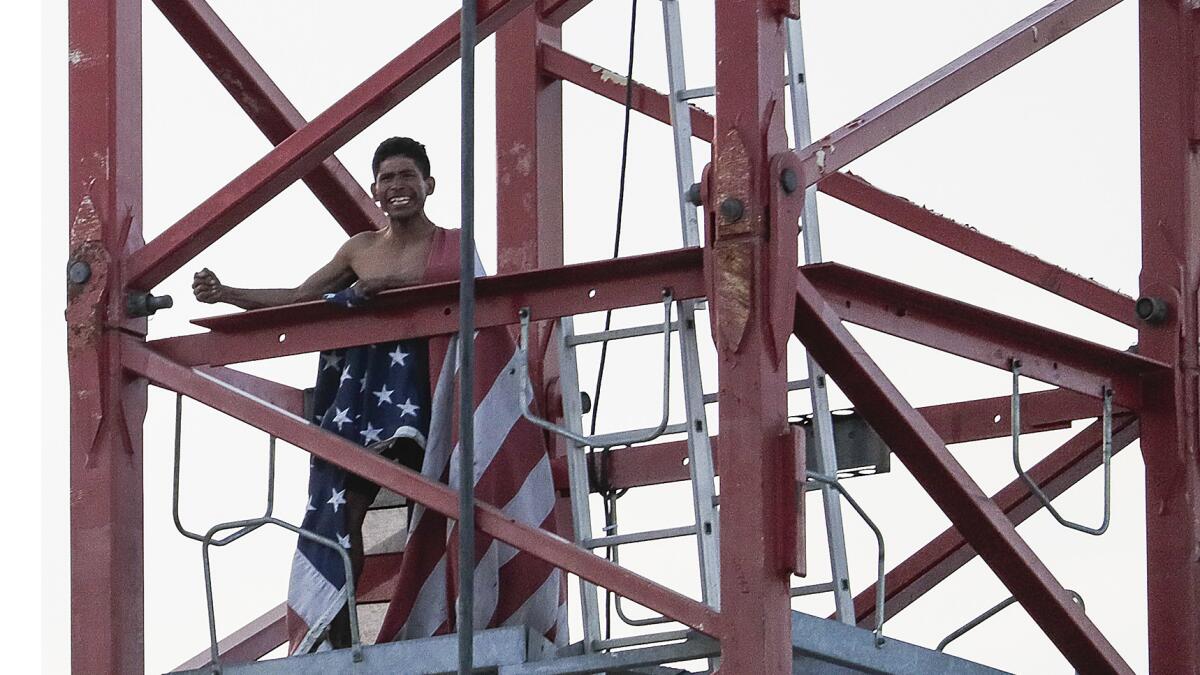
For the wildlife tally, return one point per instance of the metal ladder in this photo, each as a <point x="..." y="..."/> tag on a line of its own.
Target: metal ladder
<point x="700" y="459"/>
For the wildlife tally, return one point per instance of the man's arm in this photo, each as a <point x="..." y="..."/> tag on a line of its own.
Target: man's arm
<point x="333" y="276"/>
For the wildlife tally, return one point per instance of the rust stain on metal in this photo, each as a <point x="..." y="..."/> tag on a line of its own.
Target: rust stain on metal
<point x="734" y="284"/>
<point x="731" y="175"/>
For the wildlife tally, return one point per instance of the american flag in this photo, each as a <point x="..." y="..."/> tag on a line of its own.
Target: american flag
<point x="375" y="392"/>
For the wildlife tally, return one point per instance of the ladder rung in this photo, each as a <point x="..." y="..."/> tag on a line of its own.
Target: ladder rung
<point x="649" y="535"/>
<point x="618" y="334"/>
<point x="793" y="385"/>
<point x="650" y="638"/>
<point x="812" y="589"/>
<point x="623" y="437"/>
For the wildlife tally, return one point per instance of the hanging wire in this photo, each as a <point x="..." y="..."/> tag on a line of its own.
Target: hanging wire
<point x="607" y="494"/>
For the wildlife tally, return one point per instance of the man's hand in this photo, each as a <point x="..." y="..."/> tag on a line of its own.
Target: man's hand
<point x="206" y="287"/>
<point x="366" y="288"/>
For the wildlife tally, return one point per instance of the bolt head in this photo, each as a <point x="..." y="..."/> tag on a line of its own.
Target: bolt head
<point x="78" y="272"/>
<point x="693" y="194"/>
<point x="788" y="180"/>
<point x="1151" y="310"/>
<point x="733" y="209"/>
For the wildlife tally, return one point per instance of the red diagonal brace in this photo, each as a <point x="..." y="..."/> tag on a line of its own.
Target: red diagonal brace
<point x="301" y="152"/>
<point x="968" y="241"/>
<point x="983" y="523"/>
<point x="948" y="552"/>
<point x="943" y="86"/>
<point x="265" y="104"/>
<point x="436" y="496"/>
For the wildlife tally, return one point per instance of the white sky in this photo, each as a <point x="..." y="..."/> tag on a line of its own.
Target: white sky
<point x="1044" y="157"/>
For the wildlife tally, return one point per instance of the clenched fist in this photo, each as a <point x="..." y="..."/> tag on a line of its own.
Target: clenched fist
<point x="206" y="287"/>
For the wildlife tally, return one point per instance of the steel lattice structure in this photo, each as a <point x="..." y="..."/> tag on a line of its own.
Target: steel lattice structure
<point x="747" y="269"/>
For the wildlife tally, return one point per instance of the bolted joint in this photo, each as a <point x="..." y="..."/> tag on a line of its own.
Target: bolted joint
<point x="78" y="272"/>
<point x="1151" y="310"/>
<point x="732" y="209"/>
<point x="138" y="305"/>
<point x="693" y="195"/>
<point x="585" y="403"/>
<point x="788" y="180"/>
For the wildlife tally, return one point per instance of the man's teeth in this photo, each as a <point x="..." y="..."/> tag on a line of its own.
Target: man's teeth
<point x="399" y="201"/>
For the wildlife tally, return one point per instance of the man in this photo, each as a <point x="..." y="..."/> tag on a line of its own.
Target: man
<point x="388" y="398"/>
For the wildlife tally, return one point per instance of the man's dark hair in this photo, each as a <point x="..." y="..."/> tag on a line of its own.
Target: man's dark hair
<point x="401" y="146"/>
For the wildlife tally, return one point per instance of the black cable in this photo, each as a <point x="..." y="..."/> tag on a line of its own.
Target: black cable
<point x="607" y="494"/>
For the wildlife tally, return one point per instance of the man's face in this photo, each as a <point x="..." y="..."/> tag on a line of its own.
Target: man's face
<point x="400" y="188"/>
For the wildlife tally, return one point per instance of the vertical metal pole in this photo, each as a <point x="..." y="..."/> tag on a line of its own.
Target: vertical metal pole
<point x="1170" y="137"/>
<point x="466" y="332"/>
<point x="700" y="459"/>
<point x="826" y="454"/>
<point x="107" y="407"/>
<point x="754" y="439"/>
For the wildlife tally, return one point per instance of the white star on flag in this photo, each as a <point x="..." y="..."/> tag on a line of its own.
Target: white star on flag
<point x="330" y="361"/>
<point x="398" y="356"/>
<point x="338" y="498"/>
<point x="344" y="540"/>
<point x="384" y="395"/>
<point x="342" y="417"/>
<point x="408" y="408"/>
<point x="345" y="376"/>
<point x="310" y="507"/>
<point x="370" y="434"/>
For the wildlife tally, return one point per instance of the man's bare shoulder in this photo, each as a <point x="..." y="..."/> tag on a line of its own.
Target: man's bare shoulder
<point x="359" y="243"/>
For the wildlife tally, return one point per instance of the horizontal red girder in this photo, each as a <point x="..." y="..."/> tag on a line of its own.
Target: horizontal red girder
<point x="959" y="422"/>
<point x="1001" y="52"/>
<point x="981" y="335"/>
<point x="433" y="309"/>
<point x="265" y="104"/>
<point x="984" y="525"/>
<point x="434" y="495"/>
<point x="301" y="152"/>
<point x="966" y="240"/>
<point x="948" y="551"/>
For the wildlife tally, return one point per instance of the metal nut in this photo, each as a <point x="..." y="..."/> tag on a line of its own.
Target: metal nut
<point x="733" y="209"/>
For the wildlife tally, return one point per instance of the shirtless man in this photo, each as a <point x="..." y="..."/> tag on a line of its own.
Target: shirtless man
<point x="369" y="262"/>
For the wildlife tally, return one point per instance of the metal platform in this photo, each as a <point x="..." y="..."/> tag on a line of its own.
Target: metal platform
<point x="819" y="646"/>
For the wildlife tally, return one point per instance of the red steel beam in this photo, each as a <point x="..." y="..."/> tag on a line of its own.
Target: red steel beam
<point x="555" y="12"/>
<point x="301" y="152"/>
<point x="436" y="496"/>
<point x="611" y="85"/>
<point x="106" y="405"/>
<point x="857" y="192"/>
<point x="248" y="643"/>
<point x="959" y="422"/>
<point x="981" y="335"/>
<point x="1170" y="135"/>
<point x="431" y="309"/>
<point x="933" y="226"/>
<point x="948" y="551"/>
<point x="758" y="493"/>
<point x="984" y="524"/>
<point x="265" y="104"/>
<point x="945" y="85"/>
<point x="275" y="393"/>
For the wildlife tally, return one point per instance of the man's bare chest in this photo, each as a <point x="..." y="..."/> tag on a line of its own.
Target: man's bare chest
<point x="403" y="266"/>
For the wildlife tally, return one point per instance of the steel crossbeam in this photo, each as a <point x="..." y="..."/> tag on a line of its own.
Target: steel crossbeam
<point x="982" y="523"/>
<point x="433" y="495"/>
<point x="742" y="271"/>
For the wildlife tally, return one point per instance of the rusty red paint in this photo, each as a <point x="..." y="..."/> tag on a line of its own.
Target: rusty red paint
<point x="1169" y="44"/>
